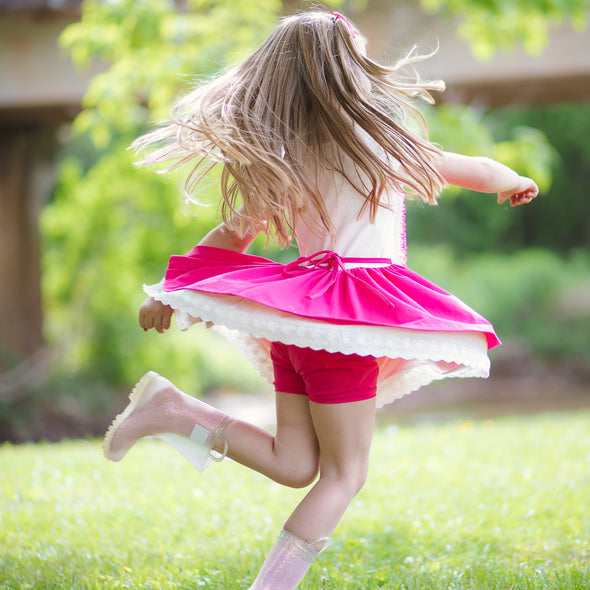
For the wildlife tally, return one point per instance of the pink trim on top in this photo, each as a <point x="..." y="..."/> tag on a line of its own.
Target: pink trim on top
<point x="404" y="241"/>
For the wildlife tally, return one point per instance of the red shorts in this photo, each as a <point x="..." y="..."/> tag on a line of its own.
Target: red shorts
<point x="325" y="377"/>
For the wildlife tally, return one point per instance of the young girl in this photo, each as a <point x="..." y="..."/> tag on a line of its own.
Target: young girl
<point x="315" y="148"/>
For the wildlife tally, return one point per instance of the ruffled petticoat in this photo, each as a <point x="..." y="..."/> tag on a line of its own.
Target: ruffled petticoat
<point x="369" y="307"/>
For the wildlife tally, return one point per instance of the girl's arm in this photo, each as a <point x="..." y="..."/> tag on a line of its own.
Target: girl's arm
<point x="487" y="176"/>
<point x="157" y="315"/>
<point x="223" y="237"/>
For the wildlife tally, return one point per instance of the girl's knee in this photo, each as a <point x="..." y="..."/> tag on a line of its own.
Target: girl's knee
<point x="350" y="479"/>
<point x="300" y="474"/>
<point x="300" y="477"/>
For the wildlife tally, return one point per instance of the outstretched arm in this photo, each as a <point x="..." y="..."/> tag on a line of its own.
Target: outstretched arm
<point x="157" y="315"/>
<point x="487" y="176"/>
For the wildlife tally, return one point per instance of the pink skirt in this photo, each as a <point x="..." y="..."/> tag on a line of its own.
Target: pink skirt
<point x="370" y="307"/>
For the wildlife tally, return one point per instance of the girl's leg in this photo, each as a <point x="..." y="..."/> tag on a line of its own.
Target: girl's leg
<point x="158" y="408"/>
<point x="291" y="456"/>
<point x="344" y="432"/>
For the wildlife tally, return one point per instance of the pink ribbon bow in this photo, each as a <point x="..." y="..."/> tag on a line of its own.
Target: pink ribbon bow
<point x="337" y="16"/>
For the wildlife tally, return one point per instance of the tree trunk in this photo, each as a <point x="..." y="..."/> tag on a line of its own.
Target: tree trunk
<point x="27" y="173"/>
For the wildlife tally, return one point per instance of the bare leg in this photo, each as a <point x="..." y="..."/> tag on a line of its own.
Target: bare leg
<point x="158" y="408"/>
<point x="345" y="432"/>
<point x="291" y="456"/>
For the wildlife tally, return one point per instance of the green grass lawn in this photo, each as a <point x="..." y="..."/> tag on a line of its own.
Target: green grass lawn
<point x="501" y="504"/>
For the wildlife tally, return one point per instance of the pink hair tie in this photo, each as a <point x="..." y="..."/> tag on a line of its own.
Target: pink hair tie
<point x="337" y="15"/>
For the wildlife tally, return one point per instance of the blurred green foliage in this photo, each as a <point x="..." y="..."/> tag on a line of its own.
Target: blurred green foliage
<point x="111" y="227"/>
<point x="150" y="47"/>
<point x="534" y="140"/>
<point x="559" y="219"/>
<point x="491" y="25"/>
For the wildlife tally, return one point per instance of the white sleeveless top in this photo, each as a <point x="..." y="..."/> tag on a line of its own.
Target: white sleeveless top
<point x="354" y="236"/>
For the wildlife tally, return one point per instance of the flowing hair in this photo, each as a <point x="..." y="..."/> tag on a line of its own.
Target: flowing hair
<point x="293" y="108"/>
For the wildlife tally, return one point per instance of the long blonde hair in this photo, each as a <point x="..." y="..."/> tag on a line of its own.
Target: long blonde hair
<point x="297" y="104"/>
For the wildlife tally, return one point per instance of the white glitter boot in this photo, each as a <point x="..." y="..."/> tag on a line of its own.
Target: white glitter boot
<point x="287" y="563"/>
<point x="157" y="408"/>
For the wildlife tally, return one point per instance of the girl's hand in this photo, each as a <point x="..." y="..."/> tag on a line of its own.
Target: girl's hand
<point x="524" y="192"/>
<point x="154" y="314"/>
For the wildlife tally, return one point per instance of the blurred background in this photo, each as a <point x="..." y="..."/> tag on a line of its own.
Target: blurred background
<point x="81" y="229"/>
